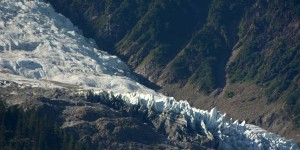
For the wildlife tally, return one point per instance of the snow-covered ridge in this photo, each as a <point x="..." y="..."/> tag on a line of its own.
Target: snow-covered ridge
<point x="37" y="44"/>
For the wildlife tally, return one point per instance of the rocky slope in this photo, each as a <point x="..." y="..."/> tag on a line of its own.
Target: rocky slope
<point x="98" y="124"/>
<point x="241" y="56"/>
<point x="47" y="66"/>
<point x="137" y="121"/>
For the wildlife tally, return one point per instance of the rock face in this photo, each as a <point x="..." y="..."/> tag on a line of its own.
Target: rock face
<point x="49" y="67"/>
<point x="206" y="51"/>
<point x="107" y="120"/>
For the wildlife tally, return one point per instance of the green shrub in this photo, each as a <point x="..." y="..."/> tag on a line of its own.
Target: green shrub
<point x="230" y="94"/>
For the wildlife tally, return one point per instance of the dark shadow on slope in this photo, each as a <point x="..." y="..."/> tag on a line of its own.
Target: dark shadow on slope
<point x="142" y="80"/>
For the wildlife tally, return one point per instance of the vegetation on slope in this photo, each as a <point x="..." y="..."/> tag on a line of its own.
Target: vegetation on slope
<point x="161" y="35"/>
<point x="189" y="43"/>
<point x="270" y="53"/>
<point x="28" y="130"/>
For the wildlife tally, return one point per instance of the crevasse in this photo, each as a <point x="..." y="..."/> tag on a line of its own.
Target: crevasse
<point x="38" y="43"/>
<point x="229" y="135"/>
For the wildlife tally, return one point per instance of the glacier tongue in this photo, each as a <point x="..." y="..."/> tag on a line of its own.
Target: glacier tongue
<point x="39" y="46"/>
<point x="228" y="135"/>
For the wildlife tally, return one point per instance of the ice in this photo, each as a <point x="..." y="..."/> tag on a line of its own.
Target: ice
<point x="229" y="135"/>
<point x="41" y="48"/>
<point x="38" y="43"/>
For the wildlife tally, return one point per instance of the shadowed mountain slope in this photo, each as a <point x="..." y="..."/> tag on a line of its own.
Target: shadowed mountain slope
<point x="238" y="55"/>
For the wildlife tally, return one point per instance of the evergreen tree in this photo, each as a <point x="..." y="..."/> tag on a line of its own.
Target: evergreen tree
<point x="21" y="130"/>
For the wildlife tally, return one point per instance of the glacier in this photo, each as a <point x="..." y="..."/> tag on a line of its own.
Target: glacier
<point x="41" y="48"/>
<point x="229" y="135"/>
<point x="38" y="43"/>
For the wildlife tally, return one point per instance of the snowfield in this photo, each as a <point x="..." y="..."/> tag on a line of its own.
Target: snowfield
<point x="39" y="47"/>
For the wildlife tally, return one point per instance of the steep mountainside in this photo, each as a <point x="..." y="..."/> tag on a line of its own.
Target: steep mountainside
<point x="241" y="56"/>
<point x="57" y="87"/>
<point x="100" y="120"/>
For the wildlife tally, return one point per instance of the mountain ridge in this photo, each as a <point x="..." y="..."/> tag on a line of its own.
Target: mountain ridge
<point x="43" y="55"/>
<point x="261" y="34"/>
